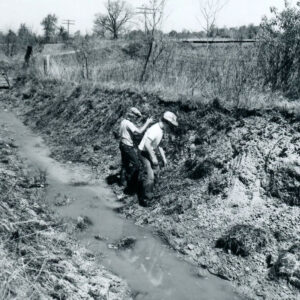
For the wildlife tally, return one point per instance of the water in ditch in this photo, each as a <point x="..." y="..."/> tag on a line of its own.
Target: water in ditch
<point x="152" y="269"/>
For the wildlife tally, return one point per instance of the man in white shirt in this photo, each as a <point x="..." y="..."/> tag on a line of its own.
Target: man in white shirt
<point x="148" y="146"/>
<point x="129" y="157"/>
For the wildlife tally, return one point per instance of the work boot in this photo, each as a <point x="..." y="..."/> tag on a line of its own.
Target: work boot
<point x="128" y="191"/>
<point x="148" y="191"/>
<point x="145" y="196"/>
<point x="142" y="202"/>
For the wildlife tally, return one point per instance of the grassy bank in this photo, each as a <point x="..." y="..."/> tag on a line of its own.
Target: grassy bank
<point x="229" y="198"/>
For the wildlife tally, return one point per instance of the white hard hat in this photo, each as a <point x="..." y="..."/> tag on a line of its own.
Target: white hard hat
<point x="134" y="111"/>
<point x="170" y="117"/>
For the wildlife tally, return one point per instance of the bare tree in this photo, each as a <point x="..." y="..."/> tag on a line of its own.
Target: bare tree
<point x="118" y="14"/>
<point x="209" y="10"/>
<point x="152" y="18"/>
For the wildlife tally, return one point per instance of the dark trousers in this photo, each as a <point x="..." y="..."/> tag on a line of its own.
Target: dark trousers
<point x="130" y="167"/>
<point x="146" y="179"/>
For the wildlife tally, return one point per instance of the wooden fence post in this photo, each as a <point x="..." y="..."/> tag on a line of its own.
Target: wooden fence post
<point x="46" y="64"/>
<point x="28" y="55"/>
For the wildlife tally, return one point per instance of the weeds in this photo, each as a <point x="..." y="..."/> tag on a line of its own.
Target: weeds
<point x="199" y="72"/>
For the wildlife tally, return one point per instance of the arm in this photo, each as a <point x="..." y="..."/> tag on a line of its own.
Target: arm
<point x="144" y="127"/>
<point x="151" y="152"/>
<point x="163" y="156"/>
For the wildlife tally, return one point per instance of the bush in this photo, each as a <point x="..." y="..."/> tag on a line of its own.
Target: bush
<point x="133" y="49"/>
<point x="279" y="50"/>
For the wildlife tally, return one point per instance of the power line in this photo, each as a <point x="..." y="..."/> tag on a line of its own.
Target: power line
<point x="146" y="8"/>
<point x="69" y="23"/>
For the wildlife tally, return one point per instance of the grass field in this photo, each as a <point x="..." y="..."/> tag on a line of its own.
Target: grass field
<point x="197" y="72"/>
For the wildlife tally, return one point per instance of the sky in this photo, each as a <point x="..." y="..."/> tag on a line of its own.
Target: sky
<point x="179" y="14"/>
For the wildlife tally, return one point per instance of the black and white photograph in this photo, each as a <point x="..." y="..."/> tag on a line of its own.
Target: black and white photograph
<point x="149" y="149"/>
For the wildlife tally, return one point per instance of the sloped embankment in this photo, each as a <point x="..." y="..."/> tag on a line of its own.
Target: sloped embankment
<point x="229" y="199"/>
<point x="38" y="259"/>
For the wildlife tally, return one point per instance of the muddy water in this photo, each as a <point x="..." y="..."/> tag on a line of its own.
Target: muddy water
<point x="151" y="269"/>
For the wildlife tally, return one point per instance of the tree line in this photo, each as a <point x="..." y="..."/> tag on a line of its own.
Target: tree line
<point x="277" y="37"/>
<point x="114" y="23"/>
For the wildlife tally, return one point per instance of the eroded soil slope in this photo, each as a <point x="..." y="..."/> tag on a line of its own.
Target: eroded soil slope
<point x="229" y="199"/>
<point x="38" y="258"/>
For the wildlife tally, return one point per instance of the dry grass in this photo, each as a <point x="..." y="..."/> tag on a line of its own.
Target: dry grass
<point x="193" y="73"/>
<point x="198" y="72"/>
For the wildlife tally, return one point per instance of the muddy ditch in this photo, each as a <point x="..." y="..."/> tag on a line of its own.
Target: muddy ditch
<point x="152" y="269"/>
<point x="232" y="174"/>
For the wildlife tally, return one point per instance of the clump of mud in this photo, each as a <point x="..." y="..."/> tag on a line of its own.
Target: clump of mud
<point x="243" y="240"/>
<point x="200" y="169"/>
<point x="83" y="222"/>
<point x="285" y="184"/>
<point x="123" y="244"/>
<point x="288" y="265"/>
<point x="217" y="185"/>
<point x="62" y="200"/>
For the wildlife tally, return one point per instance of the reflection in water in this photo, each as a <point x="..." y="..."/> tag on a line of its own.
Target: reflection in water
<point x="151" y="269"/>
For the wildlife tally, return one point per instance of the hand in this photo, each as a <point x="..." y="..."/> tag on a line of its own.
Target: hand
<point x="156" y="170"/>
<point x="155" y="162"/>
<point x="150" y="120"/>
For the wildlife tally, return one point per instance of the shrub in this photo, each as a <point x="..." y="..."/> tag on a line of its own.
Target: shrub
<point x="134" y="49"/>
<point x="279" y="50"/>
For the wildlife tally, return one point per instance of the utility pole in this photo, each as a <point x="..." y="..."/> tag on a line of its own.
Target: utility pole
<point x="145" y="11"/>
<point x="153" y="14"/>
<point x="69" y="23"/>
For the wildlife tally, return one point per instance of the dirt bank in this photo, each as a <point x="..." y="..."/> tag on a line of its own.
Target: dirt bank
<point x="229" y="200"/>
<point x="38" y="257"/>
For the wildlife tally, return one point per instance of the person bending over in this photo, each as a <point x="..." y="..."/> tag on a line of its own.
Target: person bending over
<point x="148" y="146"/>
